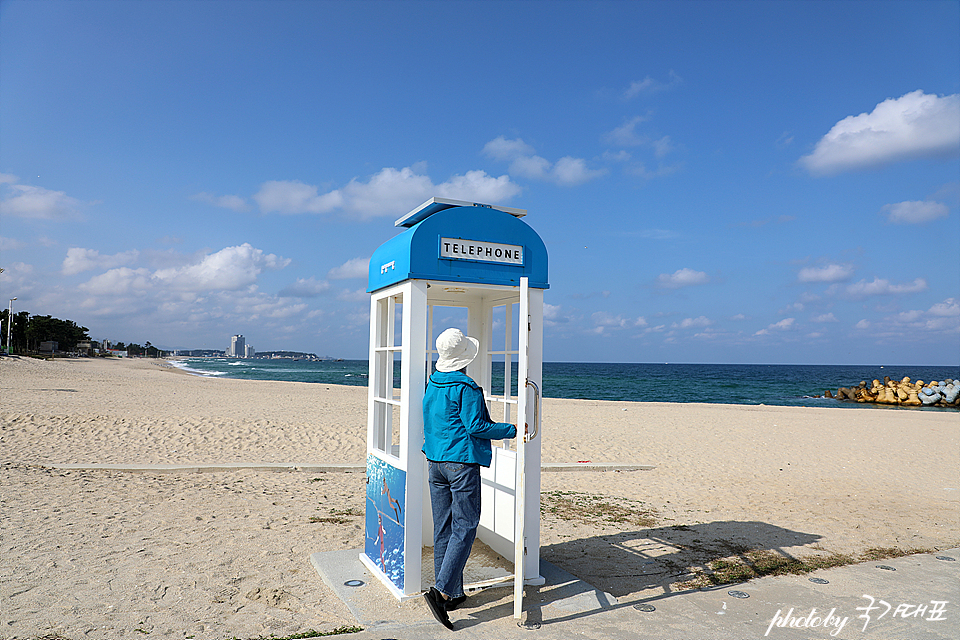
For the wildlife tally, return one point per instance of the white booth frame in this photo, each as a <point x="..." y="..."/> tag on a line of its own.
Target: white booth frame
<point x="395" y="417"/>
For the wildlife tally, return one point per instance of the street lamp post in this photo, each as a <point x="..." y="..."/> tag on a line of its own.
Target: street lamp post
<point x="10" y="324"/>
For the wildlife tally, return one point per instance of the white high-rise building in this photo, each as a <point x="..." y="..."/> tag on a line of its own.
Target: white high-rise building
<point x="237" y="347"/>
<point x="249" y="351"/>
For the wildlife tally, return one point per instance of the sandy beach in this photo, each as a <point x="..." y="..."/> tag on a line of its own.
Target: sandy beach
<point x="107" y="554"/>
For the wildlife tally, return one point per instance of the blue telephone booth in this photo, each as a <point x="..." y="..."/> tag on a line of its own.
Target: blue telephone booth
<point x="486" y="262"/>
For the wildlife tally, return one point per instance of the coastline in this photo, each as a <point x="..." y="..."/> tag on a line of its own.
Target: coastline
<point x="801" y="480"/>
<point x="740" y="384"/>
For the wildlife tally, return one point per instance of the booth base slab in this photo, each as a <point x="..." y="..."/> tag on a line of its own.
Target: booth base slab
<point x="375" y="607"/>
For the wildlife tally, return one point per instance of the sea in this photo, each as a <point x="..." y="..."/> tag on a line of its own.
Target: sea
<point x="749" y="384"/>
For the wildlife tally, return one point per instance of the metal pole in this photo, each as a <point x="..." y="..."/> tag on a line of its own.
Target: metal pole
<point x="10" y="324"/>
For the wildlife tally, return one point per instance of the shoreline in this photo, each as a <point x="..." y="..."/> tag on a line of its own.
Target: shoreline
<point x="811" y="399"/>
<point x="89" y="552"/>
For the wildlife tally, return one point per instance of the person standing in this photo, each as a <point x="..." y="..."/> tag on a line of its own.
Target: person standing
<point x="457" y="431"/>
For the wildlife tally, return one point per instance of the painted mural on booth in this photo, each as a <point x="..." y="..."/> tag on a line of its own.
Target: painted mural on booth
<point x="386" y="501"/>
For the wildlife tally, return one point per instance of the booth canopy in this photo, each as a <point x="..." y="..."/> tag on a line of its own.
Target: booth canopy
<point x="453" y="241"/>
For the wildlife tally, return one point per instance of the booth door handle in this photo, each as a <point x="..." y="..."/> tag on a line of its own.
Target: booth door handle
<point x="527" y="437"/>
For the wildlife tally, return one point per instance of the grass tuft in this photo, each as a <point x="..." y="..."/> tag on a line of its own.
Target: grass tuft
<point x="337" y="516"/>
<point x="596" y="509"/>
<point x="758" y="563"/>
<point x="310" y="633"/>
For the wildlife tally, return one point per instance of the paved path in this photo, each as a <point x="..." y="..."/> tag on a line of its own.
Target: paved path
<point x="922" y="591"/>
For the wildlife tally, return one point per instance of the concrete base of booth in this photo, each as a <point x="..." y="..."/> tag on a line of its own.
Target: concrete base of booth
<point x="374" y="605"/>
<point x="486" y="569"/>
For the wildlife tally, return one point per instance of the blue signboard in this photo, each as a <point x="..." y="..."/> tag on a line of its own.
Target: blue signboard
<point x="470" y="244"/>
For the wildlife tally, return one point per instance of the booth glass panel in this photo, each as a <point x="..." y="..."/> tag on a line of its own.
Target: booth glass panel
<point x="503" y="363"/>
<point x="439" y="319"/>
<point x="388" y="352"/>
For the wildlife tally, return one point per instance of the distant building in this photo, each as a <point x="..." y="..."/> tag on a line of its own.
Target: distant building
<point x="249" y="351"/>
<point x="238" y="347"/>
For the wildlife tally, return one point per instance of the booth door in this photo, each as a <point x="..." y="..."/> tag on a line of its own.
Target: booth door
<point x="510" y="489"/>
<point x="395" y="467"/>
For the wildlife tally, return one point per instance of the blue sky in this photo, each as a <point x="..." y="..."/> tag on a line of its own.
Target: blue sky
<point x="742" y="182"/>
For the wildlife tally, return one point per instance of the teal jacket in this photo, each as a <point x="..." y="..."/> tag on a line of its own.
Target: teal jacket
<point x="456" y="424"/>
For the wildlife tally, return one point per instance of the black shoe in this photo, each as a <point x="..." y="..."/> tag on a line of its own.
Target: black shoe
<point x="452" y="603"/>
<point x="435" y="603"/>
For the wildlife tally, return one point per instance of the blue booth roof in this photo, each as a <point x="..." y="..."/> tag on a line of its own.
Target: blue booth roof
<point x="455" y="241"/>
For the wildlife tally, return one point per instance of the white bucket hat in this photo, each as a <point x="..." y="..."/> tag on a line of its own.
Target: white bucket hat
<point x="455" y="350"/>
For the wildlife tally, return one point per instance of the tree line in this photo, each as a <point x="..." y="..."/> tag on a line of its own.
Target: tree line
<point x="134" y="349"/>
<point x="27" y="332"/>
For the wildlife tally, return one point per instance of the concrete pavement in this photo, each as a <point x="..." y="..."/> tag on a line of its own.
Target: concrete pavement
<point x="909" y="598"/>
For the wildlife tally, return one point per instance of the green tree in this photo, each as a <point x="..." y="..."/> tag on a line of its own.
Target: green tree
<point x="18" y="333"/>
<point x="65" y="332"/>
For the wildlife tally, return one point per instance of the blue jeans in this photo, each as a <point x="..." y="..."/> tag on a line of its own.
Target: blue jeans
<point x="455" y="500"/>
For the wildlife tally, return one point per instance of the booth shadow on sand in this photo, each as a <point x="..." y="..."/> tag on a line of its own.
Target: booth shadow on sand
<point x="639" y="566"/>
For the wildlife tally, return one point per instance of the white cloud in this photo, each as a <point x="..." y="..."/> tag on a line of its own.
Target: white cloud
<point x="533" y="167"/>
<point x="682" y="278"/>
<point x="305" y="288"/>
<point x="8" y="178"/>
<point x="826" y="317"/>
<point x="79" y="260"/>
<point x="915" y="125"/>
<point x="915" y="212"/>
<point x="355" y="295"/>
<point x="388" y="192"/>
<point x="863" y="324"/>
<point x="506" y="150"/>
<point x="235" y="203"/>
<point x="649" y="85"/>
<point x="380" y="194"/>
<point x="9" y="244"/>
<point x="620" y="156"/>
<point x="639" y="169"/>
<point x="783" y="325"/>
<point x="354" y="268"/>
<point x="17" y="274"/>
<point x="663" y="146"/>
<point x="626" y="134"/>
<point x="828" y="273"/>
<point x="881" y="287"/>
<point x="570" y="171"/>
<point x="551" y="311"/>
<point x="229" y="269"/>
<point x="120" y="281"/>
<point x="949" y="308"/>
<point x="698" y="322"/>
<point x="567" y="171"/>
<point x="941" y="317"/>
<point x="38" y="203"/>
<point x="478" y="186"/>
<point x="293" y="196"/>
<point x="909" y="316"/>
<point x="604" y="319"/>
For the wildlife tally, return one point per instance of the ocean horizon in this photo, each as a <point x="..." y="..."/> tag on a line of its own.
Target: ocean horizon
<point x="745" y="384"/>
